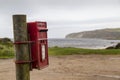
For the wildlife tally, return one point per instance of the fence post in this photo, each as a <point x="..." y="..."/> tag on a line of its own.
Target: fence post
<point x="22" y="50"/>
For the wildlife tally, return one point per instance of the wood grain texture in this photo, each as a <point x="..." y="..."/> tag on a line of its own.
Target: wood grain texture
<point x="22" y="51"/>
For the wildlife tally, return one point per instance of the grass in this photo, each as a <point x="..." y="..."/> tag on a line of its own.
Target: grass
<point x="72" y="51"/>
<point x="6" y="51"/>
<point x="6" y="48"/>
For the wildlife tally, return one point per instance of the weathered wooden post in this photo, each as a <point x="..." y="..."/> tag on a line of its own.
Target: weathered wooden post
<point x="21" y="47"/>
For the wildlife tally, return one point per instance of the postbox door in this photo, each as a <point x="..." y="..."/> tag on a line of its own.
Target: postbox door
<point x="43" y="47"/>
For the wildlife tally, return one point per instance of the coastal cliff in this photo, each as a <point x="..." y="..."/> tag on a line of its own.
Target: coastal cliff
<point x="110" y="34"/>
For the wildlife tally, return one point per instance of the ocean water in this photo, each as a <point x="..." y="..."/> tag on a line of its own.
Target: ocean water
<point x="82" y="43"/>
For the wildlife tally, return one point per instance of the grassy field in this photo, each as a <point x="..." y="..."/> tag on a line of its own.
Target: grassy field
<point x="72" y="51"/>
<point x="8" y="51"/>
<point x="6" y="48"/>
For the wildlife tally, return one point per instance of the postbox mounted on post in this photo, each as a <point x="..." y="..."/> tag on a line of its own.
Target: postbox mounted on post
<point x="37" y="32"/>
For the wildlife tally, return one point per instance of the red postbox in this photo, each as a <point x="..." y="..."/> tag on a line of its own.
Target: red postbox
<point x="37" y="32"/>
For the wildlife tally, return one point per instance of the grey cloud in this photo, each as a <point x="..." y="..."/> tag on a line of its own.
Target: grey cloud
<point x="56" y="12"/>
<point x="94" y="21"/>
<point x="29" y="6"/>
<point x="74" y="2"/>
<point x="56" y="3"/>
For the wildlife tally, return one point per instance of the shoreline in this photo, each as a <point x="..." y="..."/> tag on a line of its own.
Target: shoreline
<point x="82" y="43"/>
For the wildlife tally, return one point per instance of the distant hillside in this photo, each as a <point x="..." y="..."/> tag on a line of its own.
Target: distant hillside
<point x="110" y="34"/>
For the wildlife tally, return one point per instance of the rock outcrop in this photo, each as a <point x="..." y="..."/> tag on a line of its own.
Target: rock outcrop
<point x="114" y="47"/>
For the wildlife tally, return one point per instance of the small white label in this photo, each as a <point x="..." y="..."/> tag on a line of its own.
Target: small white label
<point x="43" y="52"/>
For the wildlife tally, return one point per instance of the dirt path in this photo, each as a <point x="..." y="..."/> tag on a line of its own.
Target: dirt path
<point x="73" y="67"/>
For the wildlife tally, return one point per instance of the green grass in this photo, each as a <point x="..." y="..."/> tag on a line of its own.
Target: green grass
<point x="6" y="49"/>
<point x="72" y="51"/>
<point x="8" y="52"/>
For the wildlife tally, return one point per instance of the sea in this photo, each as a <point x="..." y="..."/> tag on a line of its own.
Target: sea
<point x="86" y="43"/>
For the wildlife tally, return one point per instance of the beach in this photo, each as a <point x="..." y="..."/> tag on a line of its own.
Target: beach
<point x="70" y="67"/>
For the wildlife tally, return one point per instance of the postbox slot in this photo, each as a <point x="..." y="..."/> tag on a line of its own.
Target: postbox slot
<point x="43" y="30"/>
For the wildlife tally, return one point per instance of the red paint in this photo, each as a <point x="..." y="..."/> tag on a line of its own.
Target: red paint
<point x="38" y="34"/>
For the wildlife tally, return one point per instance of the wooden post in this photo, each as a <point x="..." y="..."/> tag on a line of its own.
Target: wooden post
<point x="22" y="51"/>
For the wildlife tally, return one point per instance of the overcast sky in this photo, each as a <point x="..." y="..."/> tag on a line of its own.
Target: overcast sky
<point x="62" y="16"/>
